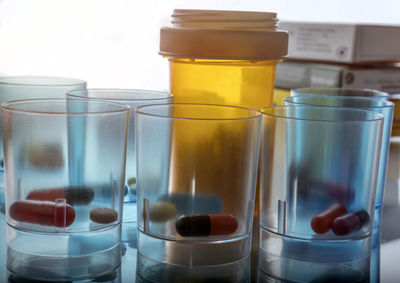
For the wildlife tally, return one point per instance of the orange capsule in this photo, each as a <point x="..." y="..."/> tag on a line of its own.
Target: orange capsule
<point x="72" y="194"/>
<point x="42" y="212"/>
<point x="203" y="225"/>
<point x="322" y="222"/>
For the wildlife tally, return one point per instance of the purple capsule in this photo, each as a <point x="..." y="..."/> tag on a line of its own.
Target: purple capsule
<point x="350" y="222"/>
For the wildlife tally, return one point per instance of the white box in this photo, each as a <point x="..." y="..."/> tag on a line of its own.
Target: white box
<point x="345" y="43"/>
<point x="297" y="74"/>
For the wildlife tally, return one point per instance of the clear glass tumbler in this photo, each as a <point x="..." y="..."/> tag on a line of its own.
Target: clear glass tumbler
<point x="26" y="87"/>
<point x="133" y="98"/>
<point x="211" y="210"/>
<point x="371" y="100"/>
<point x="47" y="215"/>
<point x="319" y="170"/>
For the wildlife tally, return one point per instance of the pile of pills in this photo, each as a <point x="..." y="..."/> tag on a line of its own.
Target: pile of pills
<point x="337" y="218"/>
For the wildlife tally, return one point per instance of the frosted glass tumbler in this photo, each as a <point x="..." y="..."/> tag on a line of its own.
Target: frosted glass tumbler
<point x="362" y="99"/>
<point x="319" y="170"/>
<point x="47" y="215"/>
<point x="211" y="210"/>
<point x="133" y="98"/>
<point x="27" y="87"/>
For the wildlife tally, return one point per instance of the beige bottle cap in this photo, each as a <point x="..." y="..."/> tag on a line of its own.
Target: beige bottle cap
<point x="211" y="34"/>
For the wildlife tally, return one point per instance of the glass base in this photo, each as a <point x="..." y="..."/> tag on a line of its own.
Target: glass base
<point x="92" y="267"/>
<point x="193" y="253"/>
<point x="152" y="271"/>
<point x="63" y="244"/>
<point x="300" y="260"/>
<point x="304" y="272"/>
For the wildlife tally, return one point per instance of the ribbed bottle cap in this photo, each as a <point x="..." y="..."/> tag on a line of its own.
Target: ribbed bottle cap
<point x="212" y="34"/>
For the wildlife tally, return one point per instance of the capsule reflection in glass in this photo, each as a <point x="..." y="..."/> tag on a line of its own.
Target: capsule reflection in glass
<point x="73" y="194"/>
<point x="203" y="225"/>
<point x="195" y="204"/>
<point x="350" y="222"/>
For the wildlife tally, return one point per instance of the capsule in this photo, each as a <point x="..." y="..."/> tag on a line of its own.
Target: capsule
<point x="162" y="211"/>
<point x="322" y="222"/>
<point x="195" y="204"/>
<point x="350" y="222"/>
<point x="45" y="156"/>
<point x="73" y="194"/>
<point x="203" y="225"/>
<point x="42" y="212"/>
<point x="131" y="181"/>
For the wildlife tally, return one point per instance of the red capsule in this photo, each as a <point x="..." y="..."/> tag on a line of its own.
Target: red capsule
<point x="202" y="225"/>
<point x="73" y="194"/>
<point x="322" y="222"/>
<point x="42" y="212"/>
<point x="350" y="222"/>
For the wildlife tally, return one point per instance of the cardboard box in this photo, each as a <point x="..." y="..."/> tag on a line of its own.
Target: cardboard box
<point x="296" y="74"/>
<point x="345" y="43"/>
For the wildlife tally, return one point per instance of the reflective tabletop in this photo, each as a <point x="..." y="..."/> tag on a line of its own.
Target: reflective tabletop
<point x="136" y="268"/>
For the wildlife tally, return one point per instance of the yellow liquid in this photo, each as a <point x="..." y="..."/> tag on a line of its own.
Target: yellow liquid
<point x="230" y="82"/>
<point x="237" y="83"/>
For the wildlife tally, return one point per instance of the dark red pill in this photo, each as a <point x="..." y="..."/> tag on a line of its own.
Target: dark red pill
<point x="350" y="222"/>
<point x="43" y="213"/>
<point x="203" y="225"/>
<point x="322" y="222"/>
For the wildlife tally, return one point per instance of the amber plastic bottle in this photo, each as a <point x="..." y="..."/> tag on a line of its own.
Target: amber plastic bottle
<point x="218" y="57"/>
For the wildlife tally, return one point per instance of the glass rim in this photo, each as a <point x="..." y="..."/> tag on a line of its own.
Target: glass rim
<point x="71" y="93"/>
<point x="7" y="106"/>
<point x="377" y="116"/>
<point x="305" y="89"/>
<point x="21" y="81"/>
<point x="388" y="103"/>
<point x="139" y="110"/>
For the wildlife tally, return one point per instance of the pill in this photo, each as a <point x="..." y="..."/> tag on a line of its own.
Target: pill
<point x="73" y="194"/>
<point x="42" y="212"/>
<point x="195" y="204"/>
<point x="340" y="193"/>
<point x="132" y="185"/>
<point x="131" y="181"/>
<point x="103" y="215"/>
<point x="162" y="211"/>
<point x="202" y="225"/>
<point x="350" y="222"/>
<point x="322" y="222"/>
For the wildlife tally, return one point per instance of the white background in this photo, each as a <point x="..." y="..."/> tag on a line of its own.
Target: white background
<point x="115" y="43"/>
